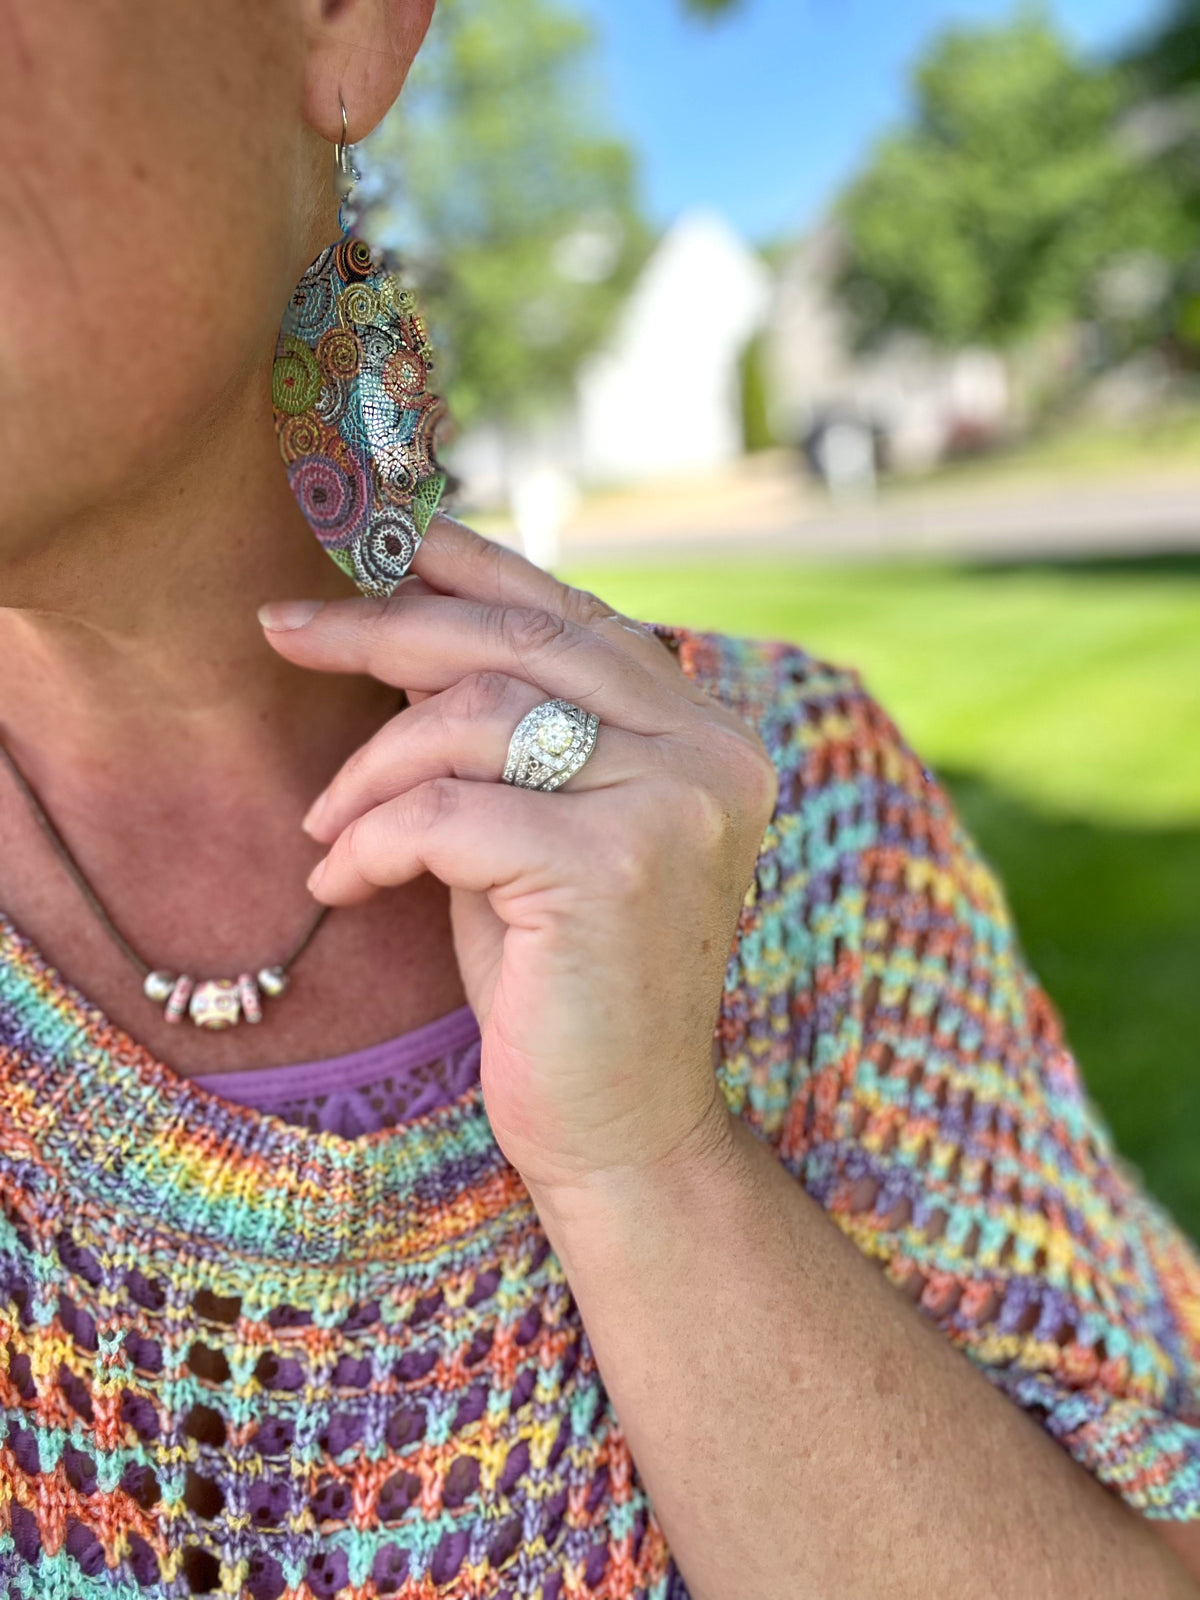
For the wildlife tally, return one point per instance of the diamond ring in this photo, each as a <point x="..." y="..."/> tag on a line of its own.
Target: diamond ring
<point x="550" y="744"/>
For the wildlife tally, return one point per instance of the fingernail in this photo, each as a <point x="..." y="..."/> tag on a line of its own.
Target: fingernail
<point x="281" y="616"/>
<point x="317" y="873"/>
<point x="310" y="816"/>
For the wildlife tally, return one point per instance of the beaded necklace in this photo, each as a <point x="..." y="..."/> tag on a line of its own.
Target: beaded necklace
<point x="210" y="1002"/>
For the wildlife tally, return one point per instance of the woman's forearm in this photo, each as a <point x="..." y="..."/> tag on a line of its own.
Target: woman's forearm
<point x="802" y="1432"/>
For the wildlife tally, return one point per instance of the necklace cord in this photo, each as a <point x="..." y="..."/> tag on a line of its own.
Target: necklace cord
<point x="76" y="874"/>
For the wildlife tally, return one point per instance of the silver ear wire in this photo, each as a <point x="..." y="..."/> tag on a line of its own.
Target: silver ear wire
<point x="340" y="159"/>
<point x="345" y="173"/>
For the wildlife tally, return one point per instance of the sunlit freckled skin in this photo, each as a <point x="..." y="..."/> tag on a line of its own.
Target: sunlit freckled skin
<point x="160" y="197"/>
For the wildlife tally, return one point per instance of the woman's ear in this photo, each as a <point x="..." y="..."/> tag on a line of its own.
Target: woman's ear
<point x="357" y="53"/>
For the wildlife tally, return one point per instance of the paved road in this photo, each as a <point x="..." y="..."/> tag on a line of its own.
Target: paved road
<point x="1009" y="523"/>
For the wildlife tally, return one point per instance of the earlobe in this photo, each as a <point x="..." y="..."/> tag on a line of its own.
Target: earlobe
<point x="357" y="52"/>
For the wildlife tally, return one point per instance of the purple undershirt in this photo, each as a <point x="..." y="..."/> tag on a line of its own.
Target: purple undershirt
<point x="380" y="1087"/>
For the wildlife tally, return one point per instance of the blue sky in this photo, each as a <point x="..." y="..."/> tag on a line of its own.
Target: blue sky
<point x="767" y="114"/>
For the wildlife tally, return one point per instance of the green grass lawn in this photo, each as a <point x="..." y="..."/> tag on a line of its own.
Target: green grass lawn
<point x="1062" y="705"/>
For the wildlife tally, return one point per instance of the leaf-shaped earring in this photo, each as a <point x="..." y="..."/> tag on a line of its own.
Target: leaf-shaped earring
<point x="355" y="421"/>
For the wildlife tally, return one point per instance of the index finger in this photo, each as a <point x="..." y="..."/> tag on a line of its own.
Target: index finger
<point x="461" y="562"/>
<point x="429" y="642"/>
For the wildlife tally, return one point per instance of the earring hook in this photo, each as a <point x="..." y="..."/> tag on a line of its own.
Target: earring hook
<point x="341" y="160"/>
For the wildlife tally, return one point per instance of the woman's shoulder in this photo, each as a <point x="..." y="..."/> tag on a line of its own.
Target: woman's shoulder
<point x="882" y="1029"/>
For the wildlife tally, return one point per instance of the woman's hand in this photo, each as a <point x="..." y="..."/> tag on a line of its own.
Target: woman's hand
<point x="592" y="924"/>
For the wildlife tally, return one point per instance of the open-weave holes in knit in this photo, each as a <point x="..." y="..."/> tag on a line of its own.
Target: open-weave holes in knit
<point x="238" y="1357"/>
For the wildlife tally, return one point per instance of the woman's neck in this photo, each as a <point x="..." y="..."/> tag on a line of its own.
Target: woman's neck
<point x="167" y="740"/>
<point x="129" y="638"/>
<point x="177" y="754"/>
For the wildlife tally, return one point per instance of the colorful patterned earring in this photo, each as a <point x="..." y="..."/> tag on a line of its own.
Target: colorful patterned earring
<point x="355" y="422"/>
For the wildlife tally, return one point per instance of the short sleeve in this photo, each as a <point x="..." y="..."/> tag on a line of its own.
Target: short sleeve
<point x="881" y="1028"/>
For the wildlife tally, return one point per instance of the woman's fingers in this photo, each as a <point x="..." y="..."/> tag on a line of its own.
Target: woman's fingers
<point x="457" y="560"/>
<point x="464" y="732"/>
<point x="474" y="836"/>
<point x="429" y="642"/>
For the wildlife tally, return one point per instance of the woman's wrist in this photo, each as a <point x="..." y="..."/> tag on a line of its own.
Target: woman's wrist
<point x="625" y="1205"/>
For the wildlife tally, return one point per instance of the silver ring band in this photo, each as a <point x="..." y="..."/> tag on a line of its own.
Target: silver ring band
<point x="550" y="744"/>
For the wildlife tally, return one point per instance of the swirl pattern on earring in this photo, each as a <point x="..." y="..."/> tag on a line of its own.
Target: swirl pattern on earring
<point x="356" y="422"/>
<point x="550" y="744"/>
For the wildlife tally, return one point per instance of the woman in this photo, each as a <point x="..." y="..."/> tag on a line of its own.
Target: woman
<point x="250" y="1353"/>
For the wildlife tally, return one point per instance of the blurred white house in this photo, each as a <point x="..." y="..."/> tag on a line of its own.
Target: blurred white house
<point x="662" y="399"/>
<point x="665" y="398"/>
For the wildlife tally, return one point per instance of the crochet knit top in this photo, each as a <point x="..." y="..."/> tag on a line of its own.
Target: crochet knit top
<point x="240" y="1357"/>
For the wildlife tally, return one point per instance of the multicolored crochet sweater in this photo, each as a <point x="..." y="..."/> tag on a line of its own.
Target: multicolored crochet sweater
<point x="239" y="1357"/>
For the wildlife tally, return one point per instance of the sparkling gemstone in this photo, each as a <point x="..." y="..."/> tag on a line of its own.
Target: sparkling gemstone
<point x="555" y="734"/>
<point x="215" y="1003"/>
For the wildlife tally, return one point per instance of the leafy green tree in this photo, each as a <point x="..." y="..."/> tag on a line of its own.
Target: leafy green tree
<point x="511" y="205"/>
<point x="1169" y="57"/>
<point x="998" y="210"/>
<point x="1163" y="71"/>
